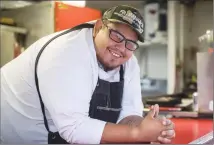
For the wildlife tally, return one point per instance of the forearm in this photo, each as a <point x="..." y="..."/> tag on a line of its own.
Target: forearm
<point x="123" y="132"/>
<point x="132" y="120"/>
<point x="119" y="133"/>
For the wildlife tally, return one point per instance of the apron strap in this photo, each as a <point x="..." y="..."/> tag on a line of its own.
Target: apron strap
<point x="81" y="26"/>
<point x="121" y="73"/>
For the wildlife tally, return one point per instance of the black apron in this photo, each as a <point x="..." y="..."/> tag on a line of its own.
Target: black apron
<point x="106" y="100"/>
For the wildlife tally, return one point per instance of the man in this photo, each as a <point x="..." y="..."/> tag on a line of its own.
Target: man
<point x="87" y="83"/>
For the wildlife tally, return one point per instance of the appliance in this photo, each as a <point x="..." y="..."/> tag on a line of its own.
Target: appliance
<point x="205" y="73"/>
<point x="156" y="21"/>
<point x="205" y="81"/>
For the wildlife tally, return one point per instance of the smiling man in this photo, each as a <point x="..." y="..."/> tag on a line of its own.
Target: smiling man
<point x="81" y="86"/>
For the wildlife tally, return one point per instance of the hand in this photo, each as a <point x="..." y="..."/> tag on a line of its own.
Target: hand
<point x="167" y="135"/>
<point x="151" y="127"/>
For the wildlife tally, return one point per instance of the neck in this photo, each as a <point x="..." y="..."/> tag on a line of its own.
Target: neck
<point x="102" y="66"/>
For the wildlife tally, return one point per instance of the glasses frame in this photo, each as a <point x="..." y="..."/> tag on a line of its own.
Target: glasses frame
<point x="124" y="38"/>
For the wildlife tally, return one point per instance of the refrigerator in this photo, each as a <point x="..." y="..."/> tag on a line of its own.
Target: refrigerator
<point x="205" y="73"/>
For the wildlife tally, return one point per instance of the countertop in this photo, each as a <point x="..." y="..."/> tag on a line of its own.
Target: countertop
<point x="188" y="130"/>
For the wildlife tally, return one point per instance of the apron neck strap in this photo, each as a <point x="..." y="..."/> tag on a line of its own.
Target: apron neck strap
<point x="121" y="73"/>
<point x="78" y="27"/>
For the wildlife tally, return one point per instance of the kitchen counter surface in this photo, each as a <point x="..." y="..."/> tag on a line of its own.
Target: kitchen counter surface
<point x="188" y="130"/>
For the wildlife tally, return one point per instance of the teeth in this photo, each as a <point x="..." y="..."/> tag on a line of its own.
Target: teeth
<point x="115" y="54"/>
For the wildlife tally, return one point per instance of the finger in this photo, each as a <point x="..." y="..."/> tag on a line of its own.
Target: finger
<point x="152" y="107"/>
<point x="173" y="136"/>
<point x="168" y="122"/>
<point x="171" y="126"/>
<point x="168" y="134"/>
<point x="156" y="108"/>
<point x="152" y="112"/>
<point x="163" y="119"/>
<point x="155" y="143"/>
<point x="164" y="140"/>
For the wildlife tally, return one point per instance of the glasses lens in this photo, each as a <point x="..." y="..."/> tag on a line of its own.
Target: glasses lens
<point x="115" y="36"/>
<point x="131" y="45"/>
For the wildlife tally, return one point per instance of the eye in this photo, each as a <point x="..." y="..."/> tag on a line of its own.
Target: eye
<point x="131" y="45"/>
<point x="114" y="35"/>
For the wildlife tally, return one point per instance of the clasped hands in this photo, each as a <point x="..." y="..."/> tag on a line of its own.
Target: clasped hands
<point x="161" y="124"/>
<point x="154" y="129"/>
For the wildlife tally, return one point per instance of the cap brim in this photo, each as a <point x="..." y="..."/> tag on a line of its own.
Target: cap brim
<point x="140" y="37"/>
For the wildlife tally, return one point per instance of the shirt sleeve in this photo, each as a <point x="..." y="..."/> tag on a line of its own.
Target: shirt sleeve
<point x="65" y="82"/>
<point x="132" y="99"/>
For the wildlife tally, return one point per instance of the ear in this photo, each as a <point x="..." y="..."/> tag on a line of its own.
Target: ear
<point x="97" y="27"/>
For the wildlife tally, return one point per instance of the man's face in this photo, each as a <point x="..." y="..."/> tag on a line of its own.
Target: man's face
<point x="109" y="52"/>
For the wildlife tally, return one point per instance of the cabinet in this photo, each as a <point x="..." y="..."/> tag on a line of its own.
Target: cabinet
<point x="39" y="20"/>
<point x="48" y="17"/>
<point x="67" y="16"/>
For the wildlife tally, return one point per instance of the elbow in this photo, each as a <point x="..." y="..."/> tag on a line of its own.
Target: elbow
<point x="70" y="128"/>
<point x="80" y="129"/>
<point x="68" y="133"/>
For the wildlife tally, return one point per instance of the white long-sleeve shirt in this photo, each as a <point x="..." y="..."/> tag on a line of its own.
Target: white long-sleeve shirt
<point x="67" y="72"/>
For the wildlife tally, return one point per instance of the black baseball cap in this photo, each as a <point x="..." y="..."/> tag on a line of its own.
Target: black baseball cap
<point x="127" y="15"/>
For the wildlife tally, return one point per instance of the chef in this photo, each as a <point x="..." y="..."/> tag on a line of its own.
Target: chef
<point x="81" y="85"/>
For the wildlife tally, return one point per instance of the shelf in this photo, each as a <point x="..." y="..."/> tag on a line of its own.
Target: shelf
<point x="13" y="29"/>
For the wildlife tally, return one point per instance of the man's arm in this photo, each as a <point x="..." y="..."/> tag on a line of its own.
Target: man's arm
<point x="120" y="133"/>
<point x="132" y="120"/>
<point x="138" y="130"/>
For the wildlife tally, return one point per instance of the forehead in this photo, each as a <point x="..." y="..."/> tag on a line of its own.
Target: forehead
<point x="124" y="29"/>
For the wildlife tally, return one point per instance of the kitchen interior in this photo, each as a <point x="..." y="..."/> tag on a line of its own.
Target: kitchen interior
<point x="176" y="60"/>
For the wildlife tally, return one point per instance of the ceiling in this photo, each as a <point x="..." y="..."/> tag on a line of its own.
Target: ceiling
<point x="104" y="4"/>
<point x="101" y="4"/>
<point x="15" y="4"/>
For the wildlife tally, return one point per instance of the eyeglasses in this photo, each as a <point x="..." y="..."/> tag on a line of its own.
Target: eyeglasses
<point x="118" y="37"/>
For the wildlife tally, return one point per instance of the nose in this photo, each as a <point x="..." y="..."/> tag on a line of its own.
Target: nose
<point x="121" y="46"/>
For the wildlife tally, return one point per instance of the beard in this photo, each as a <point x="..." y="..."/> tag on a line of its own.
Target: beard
<point x="107" y="65"/>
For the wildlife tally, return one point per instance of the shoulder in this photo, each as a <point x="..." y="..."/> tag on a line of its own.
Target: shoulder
<point x="67" y="46"/>
<point x="69" y="37"/>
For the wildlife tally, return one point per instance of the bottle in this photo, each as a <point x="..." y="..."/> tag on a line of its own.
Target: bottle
<point x="195" y="101"/>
